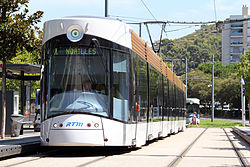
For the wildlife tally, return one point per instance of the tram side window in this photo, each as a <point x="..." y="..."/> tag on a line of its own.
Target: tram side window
<point x="171" y="100"/>
<point x="160" y="94"/>
<point x="165" y="103"/>
<point x="142" y="92"/>
<point x="178" y="102"/>
<point x="154" y="113"/>
<point x="120" y="86"/>
<point x="175" y="103"/>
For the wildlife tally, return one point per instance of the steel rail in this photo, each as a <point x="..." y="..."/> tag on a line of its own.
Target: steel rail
<point x="242" y="160"/>
<point x="178" y="159"/>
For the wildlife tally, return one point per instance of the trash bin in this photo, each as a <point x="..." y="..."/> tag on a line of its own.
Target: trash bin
<point x="17" y="120"/>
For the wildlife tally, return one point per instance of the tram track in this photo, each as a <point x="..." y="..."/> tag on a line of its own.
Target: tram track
<point x="242" y="159"/>
<point x="179" y="158"/>
<point x="94" y="154"/>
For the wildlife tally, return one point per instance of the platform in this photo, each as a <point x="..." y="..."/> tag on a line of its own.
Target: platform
<point x="9" y="146"/>
<point x="243" y="132"/>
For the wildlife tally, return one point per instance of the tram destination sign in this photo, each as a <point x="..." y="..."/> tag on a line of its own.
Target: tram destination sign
<point x="75" y="51"/>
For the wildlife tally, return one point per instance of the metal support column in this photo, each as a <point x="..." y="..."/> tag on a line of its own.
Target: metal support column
<point x="140" y="30"/>
<point x="22" y="93"/>
<point x="243" y="100"/>
<point x="106" y="8"/>
<point x="212" y="115"/>
<point x="186" y="77"/>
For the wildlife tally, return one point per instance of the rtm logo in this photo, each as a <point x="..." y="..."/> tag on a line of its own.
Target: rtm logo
<point x="74" y="124"/>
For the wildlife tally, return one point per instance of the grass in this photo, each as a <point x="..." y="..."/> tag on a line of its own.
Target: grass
<point x="206" y="123"/>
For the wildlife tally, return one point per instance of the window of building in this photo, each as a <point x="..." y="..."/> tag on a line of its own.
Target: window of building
<point x="236" y="41"/>
<point x="237" y="50"/>
<point x="237" y="31"/>
<point x="237" y="25"/>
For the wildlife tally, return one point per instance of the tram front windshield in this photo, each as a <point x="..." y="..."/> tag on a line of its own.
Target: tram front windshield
<point x="77" y="82"/>
<point x="191" y="108"/>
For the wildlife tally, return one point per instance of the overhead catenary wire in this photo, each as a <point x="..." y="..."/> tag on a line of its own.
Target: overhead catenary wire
<point x="128" y="17"/>
<point x="162" y="27"/>
<point x="181" y="28"/>
<point x="177" y="24"/>
<point x="148" y="9"/>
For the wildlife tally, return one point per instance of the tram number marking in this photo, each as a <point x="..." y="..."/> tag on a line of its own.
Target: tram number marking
<point x="74" y="124"/>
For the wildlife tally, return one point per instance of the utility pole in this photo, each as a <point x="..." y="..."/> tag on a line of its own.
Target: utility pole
<point x="186" y="77"/>
<point x="212" y="115"/>
<point x="139" y="30"/>
<point x="106" y="8"/>
<point x="4" y="20"/>
<point x="243" y="100"/>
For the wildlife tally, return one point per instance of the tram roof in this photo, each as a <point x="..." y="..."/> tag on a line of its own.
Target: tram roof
<point x="89" y="17"/>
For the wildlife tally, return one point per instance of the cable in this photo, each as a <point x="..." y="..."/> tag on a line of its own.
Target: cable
<point x="181" y="28"/>
<point x="128" y="17"/>
<point x="148" y="9"/>
<point x="152" y="15"/>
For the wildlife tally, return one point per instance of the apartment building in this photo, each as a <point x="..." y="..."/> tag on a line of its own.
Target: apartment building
<point x="235" y="37"/>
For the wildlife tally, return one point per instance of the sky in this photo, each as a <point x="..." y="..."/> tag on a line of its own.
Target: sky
<point x="135" y="10"/>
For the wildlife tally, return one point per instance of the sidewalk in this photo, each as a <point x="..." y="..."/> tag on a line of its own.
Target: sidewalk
<point x="21" y="144"/>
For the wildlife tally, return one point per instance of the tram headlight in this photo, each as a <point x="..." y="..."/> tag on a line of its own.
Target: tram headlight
<point x="75" y="33"/>
<point x="55" y="125"/>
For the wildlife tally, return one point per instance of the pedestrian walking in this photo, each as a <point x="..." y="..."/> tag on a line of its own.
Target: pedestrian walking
<point x="194" y="121"/>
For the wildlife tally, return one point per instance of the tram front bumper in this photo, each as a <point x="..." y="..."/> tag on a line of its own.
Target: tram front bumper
<point x="71" y="137"/>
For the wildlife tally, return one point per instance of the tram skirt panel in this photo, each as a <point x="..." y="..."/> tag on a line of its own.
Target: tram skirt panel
<point x="141" y="133"/>
<point x="166" y="128"/>
<point x="118" y="133"/>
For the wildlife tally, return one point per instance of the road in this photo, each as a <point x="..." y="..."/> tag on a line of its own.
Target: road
<point x="211" y="149"/>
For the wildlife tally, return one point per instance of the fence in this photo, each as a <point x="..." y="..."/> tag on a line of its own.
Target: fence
<point x="227" y="114"/>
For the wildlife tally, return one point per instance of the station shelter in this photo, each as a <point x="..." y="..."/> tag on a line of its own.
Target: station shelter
<point x="23" y="95"/>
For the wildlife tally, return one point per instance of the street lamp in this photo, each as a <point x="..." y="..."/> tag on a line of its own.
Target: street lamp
<point x="212" y="115"/>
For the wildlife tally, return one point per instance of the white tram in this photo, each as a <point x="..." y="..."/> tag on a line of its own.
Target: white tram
<point x="102" y="85"/>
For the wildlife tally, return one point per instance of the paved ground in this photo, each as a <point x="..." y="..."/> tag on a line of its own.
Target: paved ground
<point x="212" y="149"/>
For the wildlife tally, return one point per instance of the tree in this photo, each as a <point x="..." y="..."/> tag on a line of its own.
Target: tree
<point x="17" y="31"/>
<point x="227" y="85"/>
<point x="220" y="70"/>
<point x="198" y="86"/>
<point x="228" y="90"/>
<point x="197" y="47"/>
<point x="244" y="70"/>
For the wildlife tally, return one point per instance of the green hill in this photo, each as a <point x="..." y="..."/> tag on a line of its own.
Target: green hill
<point x="198" y="47"/>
